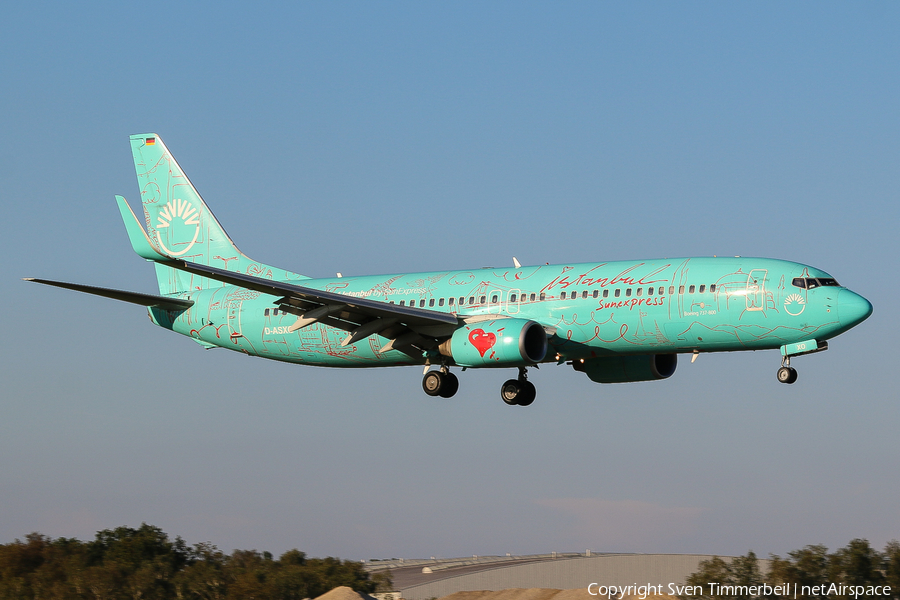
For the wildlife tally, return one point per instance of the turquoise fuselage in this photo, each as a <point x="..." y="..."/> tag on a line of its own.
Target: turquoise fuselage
<point x="592" y="309"/>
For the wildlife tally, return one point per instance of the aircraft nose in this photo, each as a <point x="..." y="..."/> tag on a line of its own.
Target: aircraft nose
<point x="853" y="309"/>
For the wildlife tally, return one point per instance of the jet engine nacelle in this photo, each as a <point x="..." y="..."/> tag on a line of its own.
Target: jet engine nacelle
<point x="497" y="343"/>
<point x="624" y="369"/>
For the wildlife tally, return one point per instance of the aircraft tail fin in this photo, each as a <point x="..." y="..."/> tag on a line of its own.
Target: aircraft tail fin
<point x="181" y="225"/>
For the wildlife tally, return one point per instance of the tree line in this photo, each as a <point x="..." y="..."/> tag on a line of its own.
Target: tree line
<point x="144" y="564"/>
<point x="854" y="572"/>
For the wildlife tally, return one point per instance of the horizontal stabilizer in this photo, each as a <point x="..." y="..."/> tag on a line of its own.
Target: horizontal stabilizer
<point x="133" y="297"/>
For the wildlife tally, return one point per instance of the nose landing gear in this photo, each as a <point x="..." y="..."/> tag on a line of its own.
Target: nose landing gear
<point x="786" y="374"/>
<point x="518" y="392"/>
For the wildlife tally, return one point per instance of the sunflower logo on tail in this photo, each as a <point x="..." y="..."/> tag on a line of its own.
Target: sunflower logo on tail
<point x="181" y="222"/>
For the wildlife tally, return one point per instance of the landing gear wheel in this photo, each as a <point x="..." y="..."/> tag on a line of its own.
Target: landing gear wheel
<point x="510" y="392"/>
<point x="434" y="382"/>
<point x="451" y="385"/>
<point x="528" y="393"/>
<point x="518" y="392"/>
<point x="787" y="375"/>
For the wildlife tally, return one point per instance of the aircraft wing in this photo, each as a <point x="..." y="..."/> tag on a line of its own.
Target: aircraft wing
<point x="404" y="326"/>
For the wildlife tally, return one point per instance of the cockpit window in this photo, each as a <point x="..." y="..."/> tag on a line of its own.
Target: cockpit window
<point x="814" y="282"/>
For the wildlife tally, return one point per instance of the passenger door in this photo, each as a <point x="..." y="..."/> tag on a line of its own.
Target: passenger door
<point x="756" y="289"/>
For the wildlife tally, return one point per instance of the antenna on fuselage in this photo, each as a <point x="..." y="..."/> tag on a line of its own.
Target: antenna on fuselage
<point x="517" y="263"/>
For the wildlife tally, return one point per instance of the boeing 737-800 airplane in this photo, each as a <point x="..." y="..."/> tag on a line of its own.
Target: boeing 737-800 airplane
<point x="614" y="321"/>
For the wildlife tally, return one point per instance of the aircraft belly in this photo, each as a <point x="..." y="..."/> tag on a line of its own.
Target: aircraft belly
<point x="610" y="331"/>
<point x="320" y="345"/>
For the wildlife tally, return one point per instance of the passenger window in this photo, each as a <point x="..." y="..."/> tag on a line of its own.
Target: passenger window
<point x="691" y="289"/>
<point x="450" y="301"/>
<point x="606" y="293"/>
<point x="661" y="291"/>
<point x="712" y="289"/>
<point x="628" y="293"/>
<point x="471" y="300"/>
<point x="596" y="293"/>
<point x="639" y="291"/>
<point x="512" y="298"/>
<point x="422" y="303"/>
<point x="441" y="301"/>
<point x="494" y="299"/>
<point x="680" y="289"/>
<point x="584" y="294"/>
<point x="403" y="303"/>
<point x="671" y="290"/>
<point x="532" y="297"/>
<point x="543" y="296"/>
<point x="562" y="296"/>
<point x="482" y="300"/>
<point x="702" y="288"/>
<point x="650" y="291"/>
<point x="267" y="312"/>
<point x="618" y="293"/>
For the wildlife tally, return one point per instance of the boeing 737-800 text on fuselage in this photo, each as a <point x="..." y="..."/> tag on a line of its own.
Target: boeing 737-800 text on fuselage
<point x="614" y="321"/>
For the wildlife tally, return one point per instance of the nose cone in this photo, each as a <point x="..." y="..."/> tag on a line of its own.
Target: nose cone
<point x="853" y="309"/>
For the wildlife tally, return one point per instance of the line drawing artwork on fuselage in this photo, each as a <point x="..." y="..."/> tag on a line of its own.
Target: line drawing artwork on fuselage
<point x="616" y="322"/>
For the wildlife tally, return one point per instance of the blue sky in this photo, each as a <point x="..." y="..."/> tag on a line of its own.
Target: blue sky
<point x="390" y="137"/>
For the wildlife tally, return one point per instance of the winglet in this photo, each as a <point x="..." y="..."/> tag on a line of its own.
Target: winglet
<point x="136" y="233"/>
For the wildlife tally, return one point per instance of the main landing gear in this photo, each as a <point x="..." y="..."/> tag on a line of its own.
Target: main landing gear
<point x="519" y="391"/>
<point x="786" y="374"/>
<point x="441" y="383"/>
<point x="515" y="392"/>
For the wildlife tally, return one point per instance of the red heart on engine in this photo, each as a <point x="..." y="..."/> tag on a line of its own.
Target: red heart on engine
<point x="482" y="341"/>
